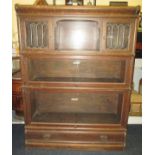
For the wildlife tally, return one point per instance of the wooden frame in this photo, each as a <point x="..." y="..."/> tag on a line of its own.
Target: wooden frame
<point x="88" y="136"/>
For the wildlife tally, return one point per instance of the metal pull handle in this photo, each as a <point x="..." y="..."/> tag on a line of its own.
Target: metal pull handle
<point x="74" y="99"/>
<point x="103" y="137"/>
<point x="46" y="136"/>
<point x="77" y="62"/>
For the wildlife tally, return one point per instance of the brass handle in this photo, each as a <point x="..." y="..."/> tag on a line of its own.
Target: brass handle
<point x="77" y="62"/>
<point x="103" y="137"/>
<point x="74" y="99"/>
<point x="46" y="136"/>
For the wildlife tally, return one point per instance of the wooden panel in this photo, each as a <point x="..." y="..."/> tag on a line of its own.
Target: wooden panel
<point x="80" y="11"/>
<point x="76" y="137"/>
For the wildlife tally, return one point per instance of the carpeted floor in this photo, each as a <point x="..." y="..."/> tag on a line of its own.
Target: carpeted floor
<point x="134" y="144"/>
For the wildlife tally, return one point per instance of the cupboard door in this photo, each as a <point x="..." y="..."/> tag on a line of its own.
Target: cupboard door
<point x="118" y="35"/>
<point x="75" y="69"/>
<point x="81" y="106"/>
<point x="35" y="33"/>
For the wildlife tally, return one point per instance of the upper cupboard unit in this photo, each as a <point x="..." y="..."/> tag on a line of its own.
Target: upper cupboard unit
<point x="60" y="31"/>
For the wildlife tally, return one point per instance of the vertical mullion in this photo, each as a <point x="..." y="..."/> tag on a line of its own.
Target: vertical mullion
<point x="117" y="36"/>
<point x="36" y="29"/>
<point x="31" y="35"/>
<point x="111" y="36"/>
<point x="123" y="36"/>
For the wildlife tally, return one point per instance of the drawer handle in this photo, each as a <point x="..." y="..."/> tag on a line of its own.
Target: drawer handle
<point x="103" y="137"/>
<point x="74" y="99"/>
<point x="46" y="136"/>
<point x="76" y="62"/>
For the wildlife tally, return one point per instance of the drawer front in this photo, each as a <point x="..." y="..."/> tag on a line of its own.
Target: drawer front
<point x="75" y="69"/>
<point x="76" y="137"/>
<point x="81" y="106"/>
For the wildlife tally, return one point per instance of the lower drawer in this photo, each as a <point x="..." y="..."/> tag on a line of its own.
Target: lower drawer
<point x="75" y="137"/>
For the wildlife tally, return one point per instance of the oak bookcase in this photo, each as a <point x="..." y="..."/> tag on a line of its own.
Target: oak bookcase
<point x="77" y="67"/>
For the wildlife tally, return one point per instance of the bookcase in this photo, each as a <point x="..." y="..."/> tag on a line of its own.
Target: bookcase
<point x="77" y="67"/>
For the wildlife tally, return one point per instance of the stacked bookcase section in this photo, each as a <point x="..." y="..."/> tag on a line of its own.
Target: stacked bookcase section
<point x="77" y="66"/>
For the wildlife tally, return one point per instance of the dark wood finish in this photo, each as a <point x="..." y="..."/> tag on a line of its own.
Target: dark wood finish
<point x="17" y="103"/>
<point x="77" y="139"/>
<point x="139" y="45"/>
<point x="77" y="67"/>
